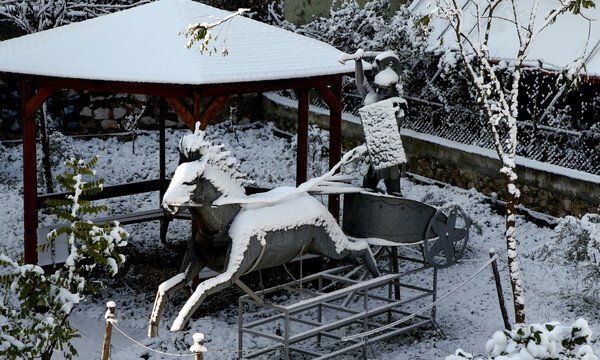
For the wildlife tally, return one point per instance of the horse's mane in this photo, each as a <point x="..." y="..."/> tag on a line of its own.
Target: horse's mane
<point x="195" y="147"/>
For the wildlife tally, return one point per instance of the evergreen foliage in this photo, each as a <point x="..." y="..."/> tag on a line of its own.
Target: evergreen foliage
<point x="36" y="305"/>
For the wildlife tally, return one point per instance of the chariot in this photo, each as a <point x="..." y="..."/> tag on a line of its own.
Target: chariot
<point x="238" y="233"/>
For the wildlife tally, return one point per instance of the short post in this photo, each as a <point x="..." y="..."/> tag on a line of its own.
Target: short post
<point x="499" y="291"/>
<point x="198" y="348"/>
<point x="109" y="316"/>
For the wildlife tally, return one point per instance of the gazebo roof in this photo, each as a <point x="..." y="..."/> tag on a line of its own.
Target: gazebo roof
<point x="554" y="49"/>
<point x="145" y="45"/>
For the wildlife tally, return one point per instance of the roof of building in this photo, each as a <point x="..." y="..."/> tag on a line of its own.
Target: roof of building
<point x="570" y="37"/>
<point x="145" y="44"/>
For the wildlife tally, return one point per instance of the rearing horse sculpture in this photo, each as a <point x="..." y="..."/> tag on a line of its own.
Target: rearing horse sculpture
<point x="237" y="233"/>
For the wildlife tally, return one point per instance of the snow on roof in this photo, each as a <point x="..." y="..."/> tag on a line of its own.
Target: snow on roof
<point x="144" y="44"/>
<point x="554" y="49"/>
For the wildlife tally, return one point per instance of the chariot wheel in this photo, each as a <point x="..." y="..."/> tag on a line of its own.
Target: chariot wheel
<point x="446" y="236"/>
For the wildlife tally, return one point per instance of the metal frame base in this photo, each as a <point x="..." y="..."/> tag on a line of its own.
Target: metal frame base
<point x="333" y="304"/>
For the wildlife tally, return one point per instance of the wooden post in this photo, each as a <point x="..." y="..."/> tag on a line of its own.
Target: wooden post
<point x="31" y="100"/>
<point x="335" y="141"/>
<point x="198" y="348"/>
<point x="302" y="149"/>
<point x="162" y="172"/>
<point x="333" y="97"/>
<point x="110" y="315"/>
<point x="499" y="291"/>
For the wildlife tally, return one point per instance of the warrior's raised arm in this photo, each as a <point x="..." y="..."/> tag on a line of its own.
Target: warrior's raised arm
<point x="364" y="88"/>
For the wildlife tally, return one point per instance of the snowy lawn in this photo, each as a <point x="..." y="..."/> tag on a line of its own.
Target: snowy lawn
<point x="467" y="319"/>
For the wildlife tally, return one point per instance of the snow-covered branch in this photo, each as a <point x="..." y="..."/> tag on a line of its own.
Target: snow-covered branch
<point x="203" y="32"/>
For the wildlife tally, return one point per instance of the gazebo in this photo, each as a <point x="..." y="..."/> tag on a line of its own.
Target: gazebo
<point x="141" y="51"/>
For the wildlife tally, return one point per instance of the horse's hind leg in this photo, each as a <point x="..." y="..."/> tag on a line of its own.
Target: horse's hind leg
<point x="369" y="260"/>
<point x="168" y="287"/>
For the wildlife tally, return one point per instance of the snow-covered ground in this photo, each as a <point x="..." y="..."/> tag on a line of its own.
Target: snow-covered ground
<point x="467" y="318"/>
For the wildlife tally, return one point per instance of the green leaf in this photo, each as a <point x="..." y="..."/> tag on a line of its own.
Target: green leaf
<point x="7" y="278"/>
<point x="538" y="338"/>
<point x="424" y="21"/>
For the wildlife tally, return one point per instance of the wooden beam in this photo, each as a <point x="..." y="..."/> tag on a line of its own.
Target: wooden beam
<point x="331" y="99"/>
<point x="253" y="87"/>
<point x="179" y="90"/>
<point x="210" y="110"/>
<point x="29" y="172"/>
<point x="181" y="110"/>
<point x="172" y="90"/>
<point x="302" y="150"/>
<point x="111" y="191"/>
<point x="37" y="100"/>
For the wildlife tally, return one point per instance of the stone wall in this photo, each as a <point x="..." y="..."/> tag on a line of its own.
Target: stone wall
<point x="111" y="112"/>
<point x="551" y="190"/>
<point x="82" y="113"/>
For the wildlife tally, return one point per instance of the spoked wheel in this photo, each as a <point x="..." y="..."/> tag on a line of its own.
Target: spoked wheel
<point x="446" y="236"/>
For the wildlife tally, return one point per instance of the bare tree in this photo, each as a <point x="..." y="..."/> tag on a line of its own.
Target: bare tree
<point x="497" y="86"/>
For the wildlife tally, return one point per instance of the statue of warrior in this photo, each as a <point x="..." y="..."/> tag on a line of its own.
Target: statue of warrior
<point x="383" y="101"/>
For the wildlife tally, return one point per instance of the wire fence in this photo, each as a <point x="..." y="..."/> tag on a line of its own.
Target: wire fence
<point x="554" y="142"/>
<point x="562" y="147"/>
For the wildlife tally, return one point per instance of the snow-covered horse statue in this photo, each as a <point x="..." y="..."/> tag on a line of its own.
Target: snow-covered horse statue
<point x="238" y="233"/>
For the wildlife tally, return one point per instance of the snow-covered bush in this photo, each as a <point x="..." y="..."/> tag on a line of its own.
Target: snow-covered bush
<point x="577" y="242"/>
<point x="349" y="26"/>
<point x="548" y="341"/>
<point x="37" y="15"/>
<point x="35" y="307"/>
<point x="318" y="151"/>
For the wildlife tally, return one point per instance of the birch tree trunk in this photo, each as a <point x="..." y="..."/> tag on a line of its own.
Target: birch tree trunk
<point x="499" y="100"/>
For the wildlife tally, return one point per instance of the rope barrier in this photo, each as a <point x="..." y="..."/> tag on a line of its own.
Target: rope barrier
<point x="189" y="355"/>
<point x="428" y="307"/>
<point x="149" y="348"/>
<point x="363" y="335"/>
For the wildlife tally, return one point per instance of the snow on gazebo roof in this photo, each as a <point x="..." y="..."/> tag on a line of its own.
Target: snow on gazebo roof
<point x="554" y="49"/>
<point x="144" y="44"/>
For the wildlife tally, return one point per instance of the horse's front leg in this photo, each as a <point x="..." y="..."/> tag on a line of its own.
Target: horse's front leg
<point x="168" y="287"/>
<point x="205" y="288"/>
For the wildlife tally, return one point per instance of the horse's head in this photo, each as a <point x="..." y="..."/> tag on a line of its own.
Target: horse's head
<point x="206" y="173"/>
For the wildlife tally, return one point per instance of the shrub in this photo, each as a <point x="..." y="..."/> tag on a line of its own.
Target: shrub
<point x="35" y="306"/>
<point x="577" y="242"/>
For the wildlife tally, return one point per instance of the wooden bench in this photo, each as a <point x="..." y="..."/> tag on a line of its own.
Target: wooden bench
<point x="60" y="252"/>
